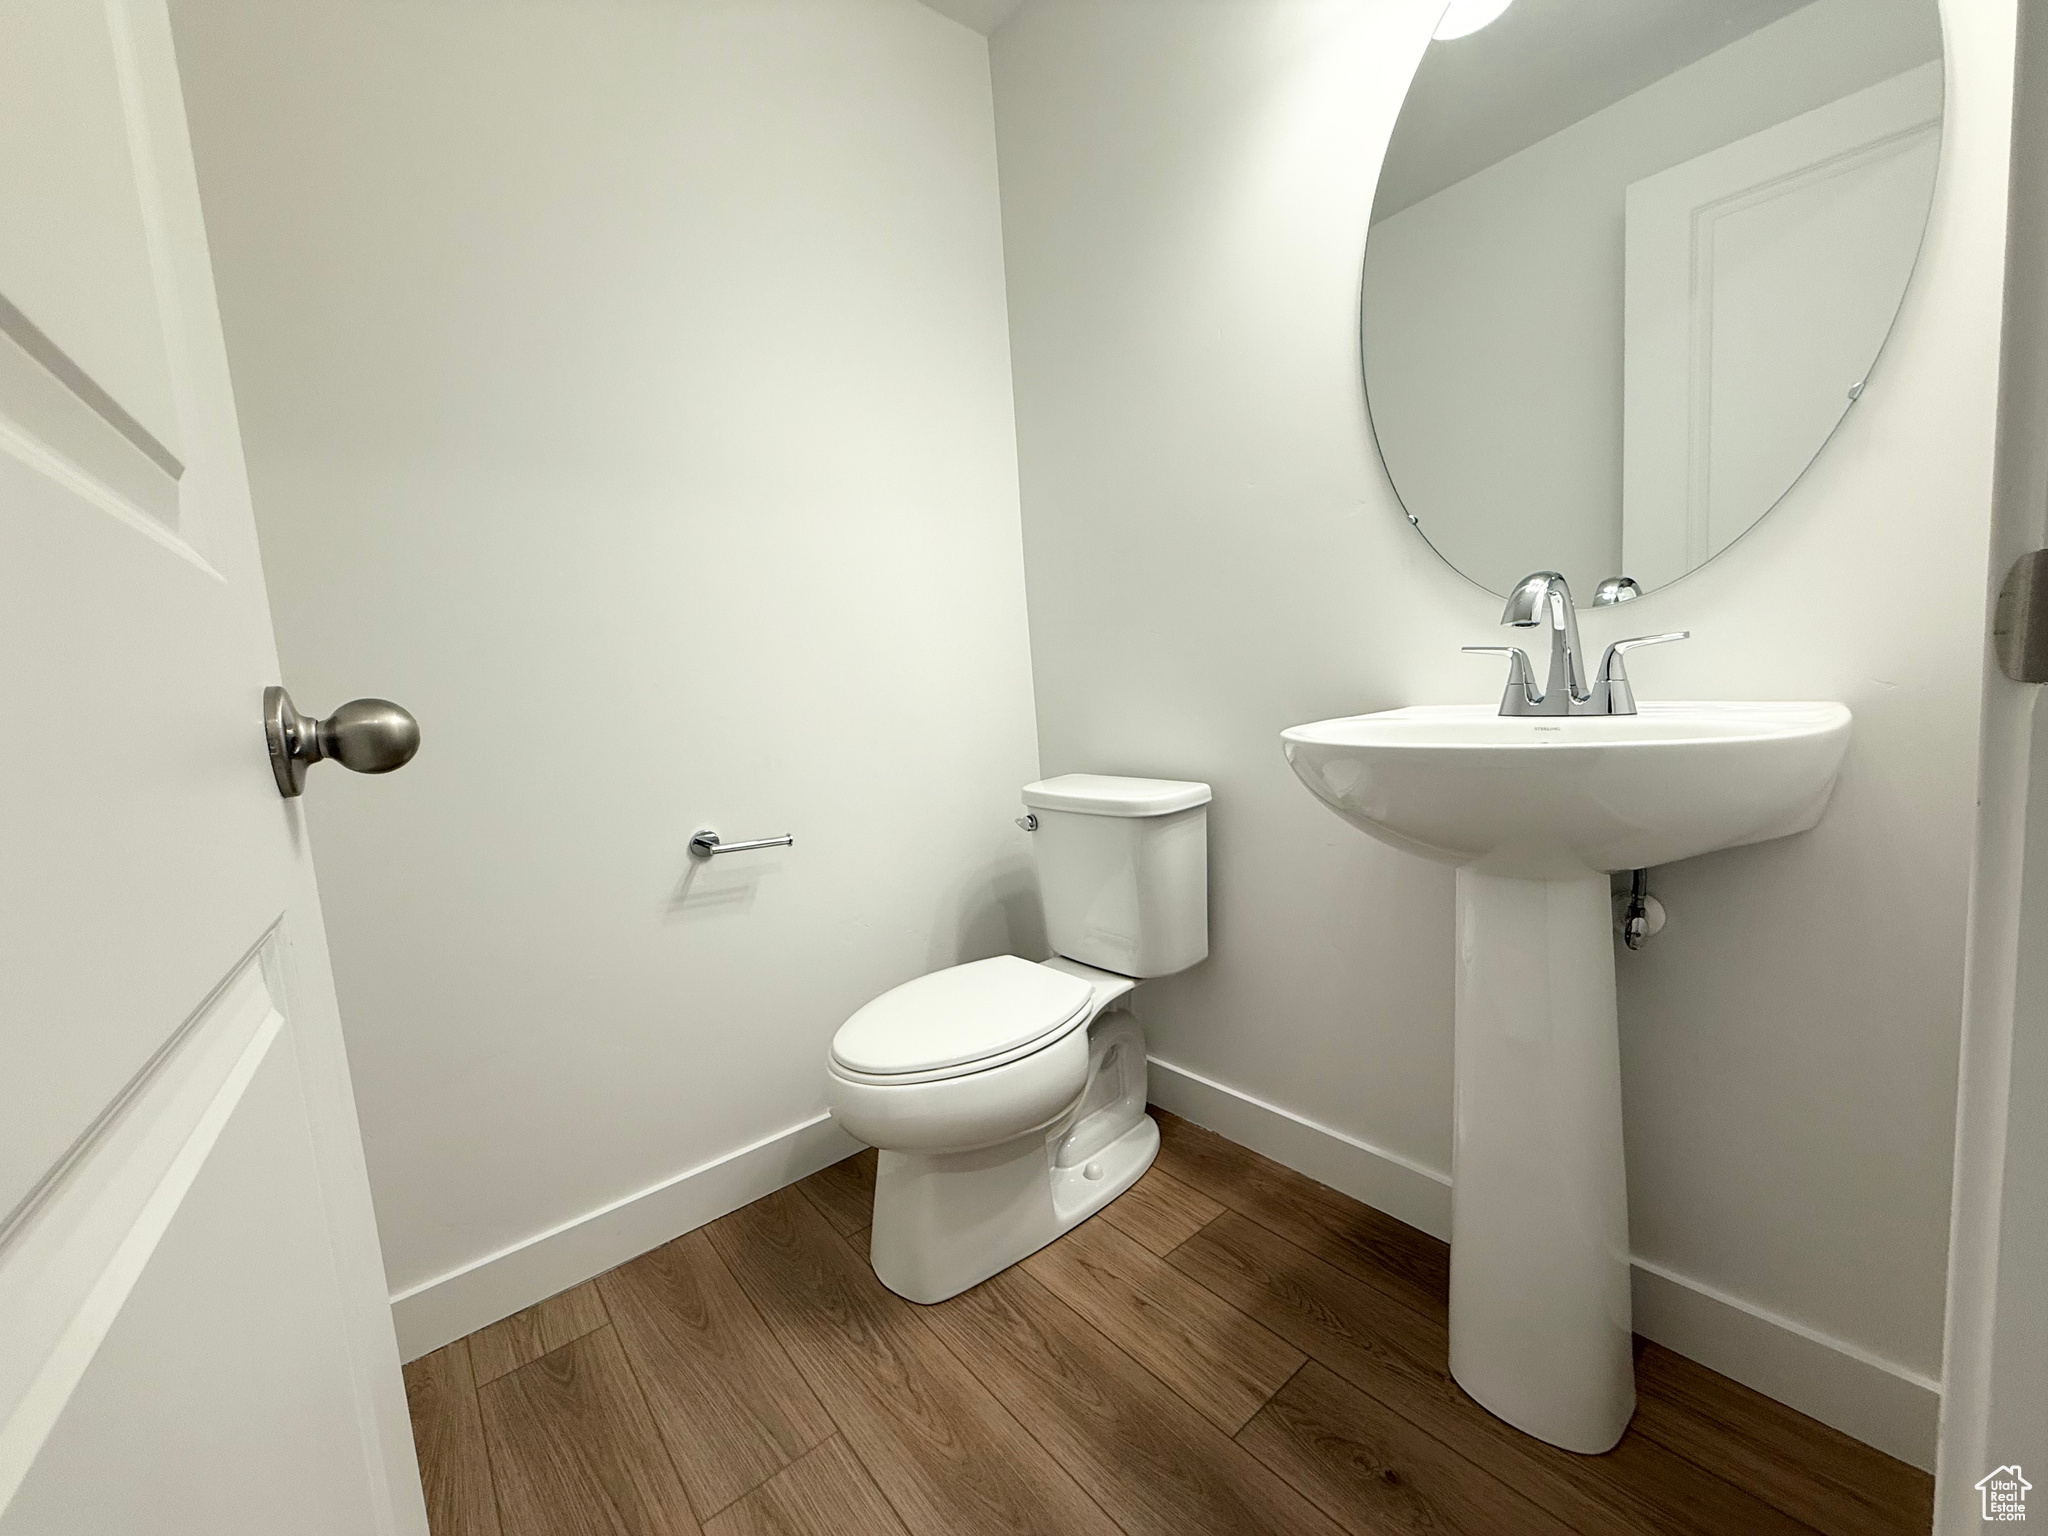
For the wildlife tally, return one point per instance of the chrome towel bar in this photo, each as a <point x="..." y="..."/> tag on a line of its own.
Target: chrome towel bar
<point x="706" y="845"/>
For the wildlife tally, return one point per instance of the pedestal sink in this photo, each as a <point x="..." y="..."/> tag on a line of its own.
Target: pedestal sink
<point x="1535" y="812"/>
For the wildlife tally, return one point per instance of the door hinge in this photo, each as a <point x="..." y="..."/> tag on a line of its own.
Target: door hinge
<point x="2019" y="624"/>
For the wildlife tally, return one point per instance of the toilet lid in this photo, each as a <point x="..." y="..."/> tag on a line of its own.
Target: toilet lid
<point x="963" y="1014"/>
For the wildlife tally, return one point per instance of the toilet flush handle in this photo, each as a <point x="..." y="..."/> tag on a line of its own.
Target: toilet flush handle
<point x="1028" y="821"/>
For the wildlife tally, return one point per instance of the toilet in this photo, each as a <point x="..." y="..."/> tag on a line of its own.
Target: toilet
<point x="1007" y="1097"/>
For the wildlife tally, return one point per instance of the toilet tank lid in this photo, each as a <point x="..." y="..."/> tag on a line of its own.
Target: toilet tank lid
<point x="965" y="1013"/>
<point x="1101" y="794"/>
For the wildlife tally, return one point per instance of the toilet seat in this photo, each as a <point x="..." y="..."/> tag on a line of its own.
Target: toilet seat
<point x="961" y="1020"/>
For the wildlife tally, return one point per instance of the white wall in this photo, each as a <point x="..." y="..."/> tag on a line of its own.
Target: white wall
<point x="626" y="390"/>
<point x="1492" y="310"/>
<point x="1215" y="553"/>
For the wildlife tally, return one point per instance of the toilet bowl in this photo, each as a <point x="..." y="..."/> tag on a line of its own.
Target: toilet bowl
<point x="1006" y="1097"/>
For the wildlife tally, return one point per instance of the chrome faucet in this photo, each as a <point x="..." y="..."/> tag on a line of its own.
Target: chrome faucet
<point x="1545" y="597"/>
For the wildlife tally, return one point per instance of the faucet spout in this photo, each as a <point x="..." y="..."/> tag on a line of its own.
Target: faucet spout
<point x="1527" y="603"/>
<point x="1545" y="597"/>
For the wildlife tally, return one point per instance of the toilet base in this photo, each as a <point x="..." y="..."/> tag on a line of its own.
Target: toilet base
<point x="945" y="1224"/>
<point x="948" y="1221"/>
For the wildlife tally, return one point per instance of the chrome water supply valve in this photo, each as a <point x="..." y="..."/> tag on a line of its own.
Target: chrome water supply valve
<point x="1639" y="915"/>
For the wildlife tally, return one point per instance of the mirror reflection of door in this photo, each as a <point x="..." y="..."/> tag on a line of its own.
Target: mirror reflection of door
<point x="1628" y="265"/>
<point x="1761" y="279"/>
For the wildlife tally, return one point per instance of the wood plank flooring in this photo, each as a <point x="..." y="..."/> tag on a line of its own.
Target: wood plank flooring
<point x="524" y="1336"/>
<point x="1228" y="1348"/>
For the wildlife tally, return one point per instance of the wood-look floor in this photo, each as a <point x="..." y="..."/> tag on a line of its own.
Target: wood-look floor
<point x="1228" y="1348"/>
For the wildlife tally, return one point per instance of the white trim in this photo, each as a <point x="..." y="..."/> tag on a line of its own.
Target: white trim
<point x="1382" y="1179"/>
<point x="1878" y="1401"/>
<point x="443" y="1309"/>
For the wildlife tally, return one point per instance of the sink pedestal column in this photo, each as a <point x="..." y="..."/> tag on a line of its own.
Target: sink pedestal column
<point x="1539" y="1222"/>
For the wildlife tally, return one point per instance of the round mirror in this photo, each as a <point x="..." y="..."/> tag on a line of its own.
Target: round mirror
<point x="1630" y="263"/>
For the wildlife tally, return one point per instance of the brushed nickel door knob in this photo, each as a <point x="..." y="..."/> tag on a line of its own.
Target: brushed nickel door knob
<point x="366" y="735"/>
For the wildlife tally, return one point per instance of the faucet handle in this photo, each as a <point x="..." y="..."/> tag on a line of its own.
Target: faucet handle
<point x="1611" y="691"/>
<point x="1522" y="695"/>
<point x="1611" y="657"/>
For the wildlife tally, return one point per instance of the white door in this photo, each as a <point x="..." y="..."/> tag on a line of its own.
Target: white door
<point x="1762" y="278"/>
<point x="194" y="1336"/>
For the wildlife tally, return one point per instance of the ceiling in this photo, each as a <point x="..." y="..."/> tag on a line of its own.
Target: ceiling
<point x="1540" y="68"/>
<point x="984" y="16"/>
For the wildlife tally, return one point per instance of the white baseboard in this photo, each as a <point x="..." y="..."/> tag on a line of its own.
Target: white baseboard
<point x="443" y="1309"/>
<point x="1878" y="1401"/>
<point x="1384" y="1180"/>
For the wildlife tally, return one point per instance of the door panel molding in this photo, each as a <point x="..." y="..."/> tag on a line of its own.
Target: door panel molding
<point x="61" y="411"/>
<point x="25" y="334"/>
<point x="1672" y="224"/>
<point x="73" y="1249"/>
<point x="77" y="253"/>
<point x="1707" y="220"/>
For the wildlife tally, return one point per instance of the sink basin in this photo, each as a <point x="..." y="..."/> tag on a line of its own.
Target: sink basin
<point x="1535" y="812"/>
<point x="1544" y="798"/>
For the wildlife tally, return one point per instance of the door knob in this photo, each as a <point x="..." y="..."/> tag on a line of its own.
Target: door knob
<point x="367" y="735"/>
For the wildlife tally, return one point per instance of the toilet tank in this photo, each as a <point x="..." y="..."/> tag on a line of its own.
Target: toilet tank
<point x="1123" y="865"/>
